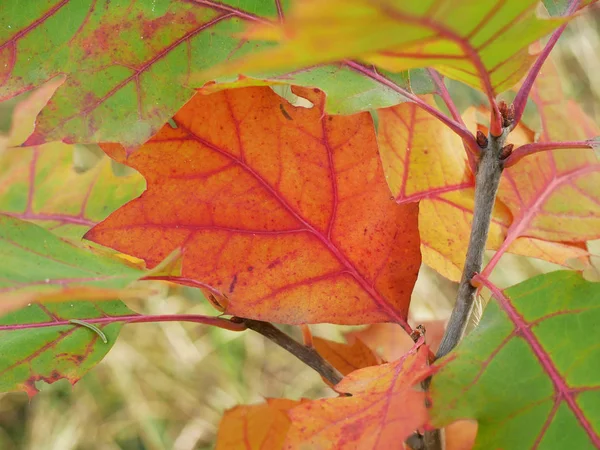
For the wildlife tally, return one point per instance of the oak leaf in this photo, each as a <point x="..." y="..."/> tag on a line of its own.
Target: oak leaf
<point x="284" y="210"/>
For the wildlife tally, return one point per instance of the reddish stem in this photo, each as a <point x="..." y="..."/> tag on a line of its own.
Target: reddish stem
<point x="521" y="98"/>
<point x="138" y="318"/>
<point x="443" y="92"/>
<point x="530" y="149"/>
<point x="459" y="129"/>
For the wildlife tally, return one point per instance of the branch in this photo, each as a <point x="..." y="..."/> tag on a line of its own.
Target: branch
<point x="530" y="149"/>
<point x="521" y="98"/>
<point x="486" y="185"/>
<point x="307" y="355"/>
<point x="458" y="128"/>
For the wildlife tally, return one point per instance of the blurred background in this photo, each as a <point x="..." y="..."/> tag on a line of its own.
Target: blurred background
<point x="165" y="386"/>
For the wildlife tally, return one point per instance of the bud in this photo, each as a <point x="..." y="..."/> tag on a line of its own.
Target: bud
<point x="507" y="113"/>
<point x="510" y="114"/>
<point x="506" y="151"/>
<point x="482" y="141"/>
<point x="503" y="108"/>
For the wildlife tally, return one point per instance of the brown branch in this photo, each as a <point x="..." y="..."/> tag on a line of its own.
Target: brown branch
<point x="307" y="355"/>
<point x="487" y="180"/>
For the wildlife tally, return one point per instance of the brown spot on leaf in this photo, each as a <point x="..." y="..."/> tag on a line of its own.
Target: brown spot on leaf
<point x="233" y="283"/>
<point x="274" y="263"/>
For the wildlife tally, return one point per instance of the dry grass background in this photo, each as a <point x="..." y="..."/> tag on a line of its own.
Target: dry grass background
<point x="165" y="386"/>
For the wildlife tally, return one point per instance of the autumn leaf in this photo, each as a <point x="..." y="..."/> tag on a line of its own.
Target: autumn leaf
<point x="39" y="343"/>
<point x="482" y="44"/>
<point x="391" y="342"/>
<point x="126" y="71"/>
<point x="426" y="162"/>
<point x="384" y="409"/>
<point x="261" y="426"/>
<point x="284" y="210"/>
<point x="347" y="357"/>
<point x="529" y="372"/>
<point x="38" y="266"/>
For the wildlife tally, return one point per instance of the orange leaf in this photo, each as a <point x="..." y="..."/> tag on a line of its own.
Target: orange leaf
<point x="287" y="214"/>
<point x="460" y="435"/>
<point x="262" y="426"/>
<point x="391" y="342"/>
<point x="424" y="161"/>
<point x="348" y="357"/>
<point x="385" y="408"/>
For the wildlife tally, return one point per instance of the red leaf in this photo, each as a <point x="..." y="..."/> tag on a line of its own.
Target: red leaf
<point x="291" y="219"/>
<point x="385" y="408"/>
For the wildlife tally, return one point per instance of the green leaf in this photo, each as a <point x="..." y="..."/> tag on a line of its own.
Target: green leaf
<point x="38" y="343"/>
<point x="128" y="66"/>
<point x="37" y="265"/>
<point x="530" y="372"/>
<point x="558" y="7"/>
<point x="483" y="44"/>
<point x="125" y="63"/>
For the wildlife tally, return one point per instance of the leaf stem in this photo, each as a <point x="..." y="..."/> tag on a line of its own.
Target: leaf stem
<point x="307" y="355"/>
<point x="521" y="98"/>
<point x="530" y="149"/>
<point x="455" y="126"/>
<point x="487" y="180"/>
<point x="133" y="318"/>
<point x="442" y="91"/>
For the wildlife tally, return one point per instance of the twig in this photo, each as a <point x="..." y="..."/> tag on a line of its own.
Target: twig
<point x="486" y="185"/>
<point x="487" y="180"/>
<point x="307" y="355"/>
